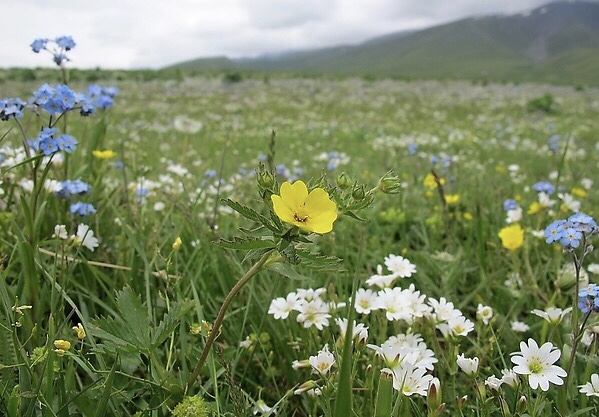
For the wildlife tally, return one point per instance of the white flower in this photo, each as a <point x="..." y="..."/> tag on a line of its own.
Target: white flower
<point x="459" y="326"/>
<point x="539" y="234"/>
<point x="510" y="378"/>
<point x="159" y="206"/>
<point x="246" y="344"/>
<point x="366" y="301"/>
<point x="313" y="313"/>
<point x="493" y="382"/>
<point x="409" y="379"/>
<point x="260" y="407"/>
<point x="553" y="315"/>
<point x="322" y="362"/>
<point x="514" y="216"/>
<point x="443" y="310"/>
<point x="586" y="183"/>
<point x="570" y="203"/>
<point x="281" y="307"/>
<point x="518" y="326"/>
<point x="60" y="232"/>
<point x="399" y="266"/>
<point x="537" y="362"/>
<point x="484" y="313"/>
<point x="359" y="330"/>
<point x="85" y="237"/>
<point x="591" y="389"/>
<point x="379" y="279"/>
<point x="468" y="365"/>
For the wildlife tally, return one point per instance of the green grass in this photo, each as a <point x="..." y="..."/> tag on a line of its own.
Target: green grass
<point x="144" y="320"/>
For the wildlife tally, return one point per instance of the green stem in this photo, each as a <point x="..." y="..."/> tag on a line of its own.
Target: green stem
<point x="258" y="266"/>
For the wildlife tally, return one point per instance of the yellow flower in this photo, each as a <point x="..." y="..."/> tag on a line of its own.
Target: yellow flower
<point x="313" y="212"/>
<point x="431" y="183"/>
<point x="452" y="198"/>
<point x="61" y="346"/>
<point x="107" y="154"/>
<point x="579" y="192"/>
<point x="535" y="208"/>
<point x="512" y="237"/>
<point x="177" y="244"/>
<point x="468" y="216"/>
<point x="79" y="331"/>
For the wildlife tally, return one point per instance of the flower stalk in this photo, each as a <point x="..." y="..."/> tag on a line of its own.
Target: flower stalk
<point x="257" y="267"/>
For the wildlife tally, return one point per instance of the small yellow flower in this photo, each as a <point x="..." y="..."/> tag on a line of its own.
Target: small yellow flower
<point x="579" y="192"/>
<point x="177" y="244"/>
<point x="468" y="216"/>
<point x="535" y="208"/>
<point x="312" y="212"/>
<point x="106" y="154"/>
<point x="79" y="331"/>
<point x="431" y="183"/>
<point x="452" y="198"/>
<point x="500" y="169"/>
<point x="512" y="237"/>
<point x="61" y="346"/>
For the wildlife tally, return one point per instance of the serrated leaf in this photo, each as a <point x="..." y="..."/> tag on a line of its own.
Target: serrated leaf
<point x="170" y="321"/>
<point x="134" y="315"/>
<point x="246" y="243"/>
<point x="319" y="262"/>
<point x="251" y="214"/>
<point x="287" y="270"/>
<point x="290" y="255"/>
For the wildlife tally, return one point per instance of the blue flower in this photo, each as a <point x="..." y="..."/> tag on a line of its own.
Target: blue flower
<point x="591" y="290"/>
<point x="571" y="238"/>
<point x="510" y="204"/>
<point x="210" y="173"/>
<point x="65" y="42"/>
<point x="38" y="44"/>
<point x="553" y="143"/>
<point x="544" y="187"/>
<point x="82" y="209"/>
<point x="585" y="304"/>
<point x="412" y="148"/>
<point x="582" y="222"/>
<point x="588" y="298"/>
<point x="554" y="231"/>
<point x="103" y="97"/>
<point x="69" y="188"/>
<point x="11" y="107"/>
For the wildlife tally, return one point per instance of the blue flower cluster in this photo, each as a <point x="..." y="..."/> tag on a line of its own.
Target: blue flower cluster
<point x="588" y="298"/>
<point x="48" y="143"/>
<point x="82" y="209"/>
<point x="103" y="97"/>
<point x="59" y="99"/>
<point x="544" y="187"/>
<point x="11" y="107"/>
<point x="510" y="204"/>
<point x="69" y="188"/>
<point x="57" y="47"/>
<point x="569" y="232"/>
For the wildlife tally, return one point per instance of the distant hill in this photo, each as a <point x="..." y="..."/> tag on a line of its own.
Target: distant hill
<point x="558" y="42"/>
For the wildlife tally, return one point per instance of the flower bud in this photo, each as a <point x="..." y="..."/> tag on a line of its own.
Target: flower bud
<point x="461" y="401"/>
<point x="522" y="404"/>
<point x="433" y="398"/>
<point x="62" y="344"/>
<point x="79" y="331"/>
<point x="265" y="179"/>
<point x="306" y="386"/>
<point x="177" y="244"/>
<point x="358" y="193"/>
<point x="343" y="181"/>
<point x="389" y="183"/>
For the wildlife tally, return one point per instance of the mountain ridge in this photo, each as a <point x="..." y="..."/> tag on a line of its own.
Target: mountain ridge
<point x="557" y="42"/>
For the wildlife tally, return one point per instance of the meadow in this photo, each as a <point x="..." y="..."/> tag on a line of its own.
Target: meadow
<point x="119" y="250"/>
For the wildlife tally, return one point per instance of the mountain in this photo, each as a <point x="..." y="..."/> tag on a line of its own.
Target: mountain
<point x="558" y="42"/>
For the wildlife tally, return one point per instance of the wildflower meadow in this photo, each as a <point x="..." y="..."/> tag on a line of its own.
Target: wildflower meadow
<point x="296" y="246"/>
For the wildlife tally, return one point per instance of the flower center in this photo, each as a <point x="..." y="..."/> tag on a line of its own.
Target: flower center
<point x="300" y="216"/>
<point x="535" y="366"/>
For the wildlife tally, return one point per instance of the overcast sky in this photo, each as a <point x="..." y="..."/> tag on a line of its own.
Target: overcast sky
<point x="156" y="33"/>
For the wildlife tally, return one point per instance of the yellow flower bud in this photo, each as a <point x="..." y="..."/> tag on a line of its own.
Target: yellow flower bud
<point x="79" y="331"/>
<point x="177" y="244"/>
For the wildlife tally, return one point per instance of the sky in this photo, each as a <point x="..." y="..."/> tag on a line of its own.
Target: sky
<point x="156" y="33"/>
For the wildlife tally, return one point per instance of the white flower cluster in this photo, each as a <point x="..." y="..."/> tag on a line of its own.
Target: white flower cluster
<point x="408" y="361"/>
<point x="312" y="309"/>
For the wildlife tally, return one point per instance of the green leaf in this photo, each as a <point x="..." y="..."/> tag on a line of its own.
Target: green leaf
<point x="170" y="321"/>
<point x="287" y="270"/>
<point x="384" y="396"/>
<point x="251" y="214"/>
<point x="246" y="243"/>
<point x="101" y="408"/>
<point x="319" y="262"/>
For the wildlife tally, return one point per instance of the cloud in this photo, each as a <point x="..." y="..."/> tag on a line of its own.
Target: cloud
<point x="155" y="33"/>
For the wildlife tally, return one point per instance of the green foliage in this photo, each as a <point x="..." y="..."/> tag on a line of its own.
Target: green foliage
<point x="545" y="103"/>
